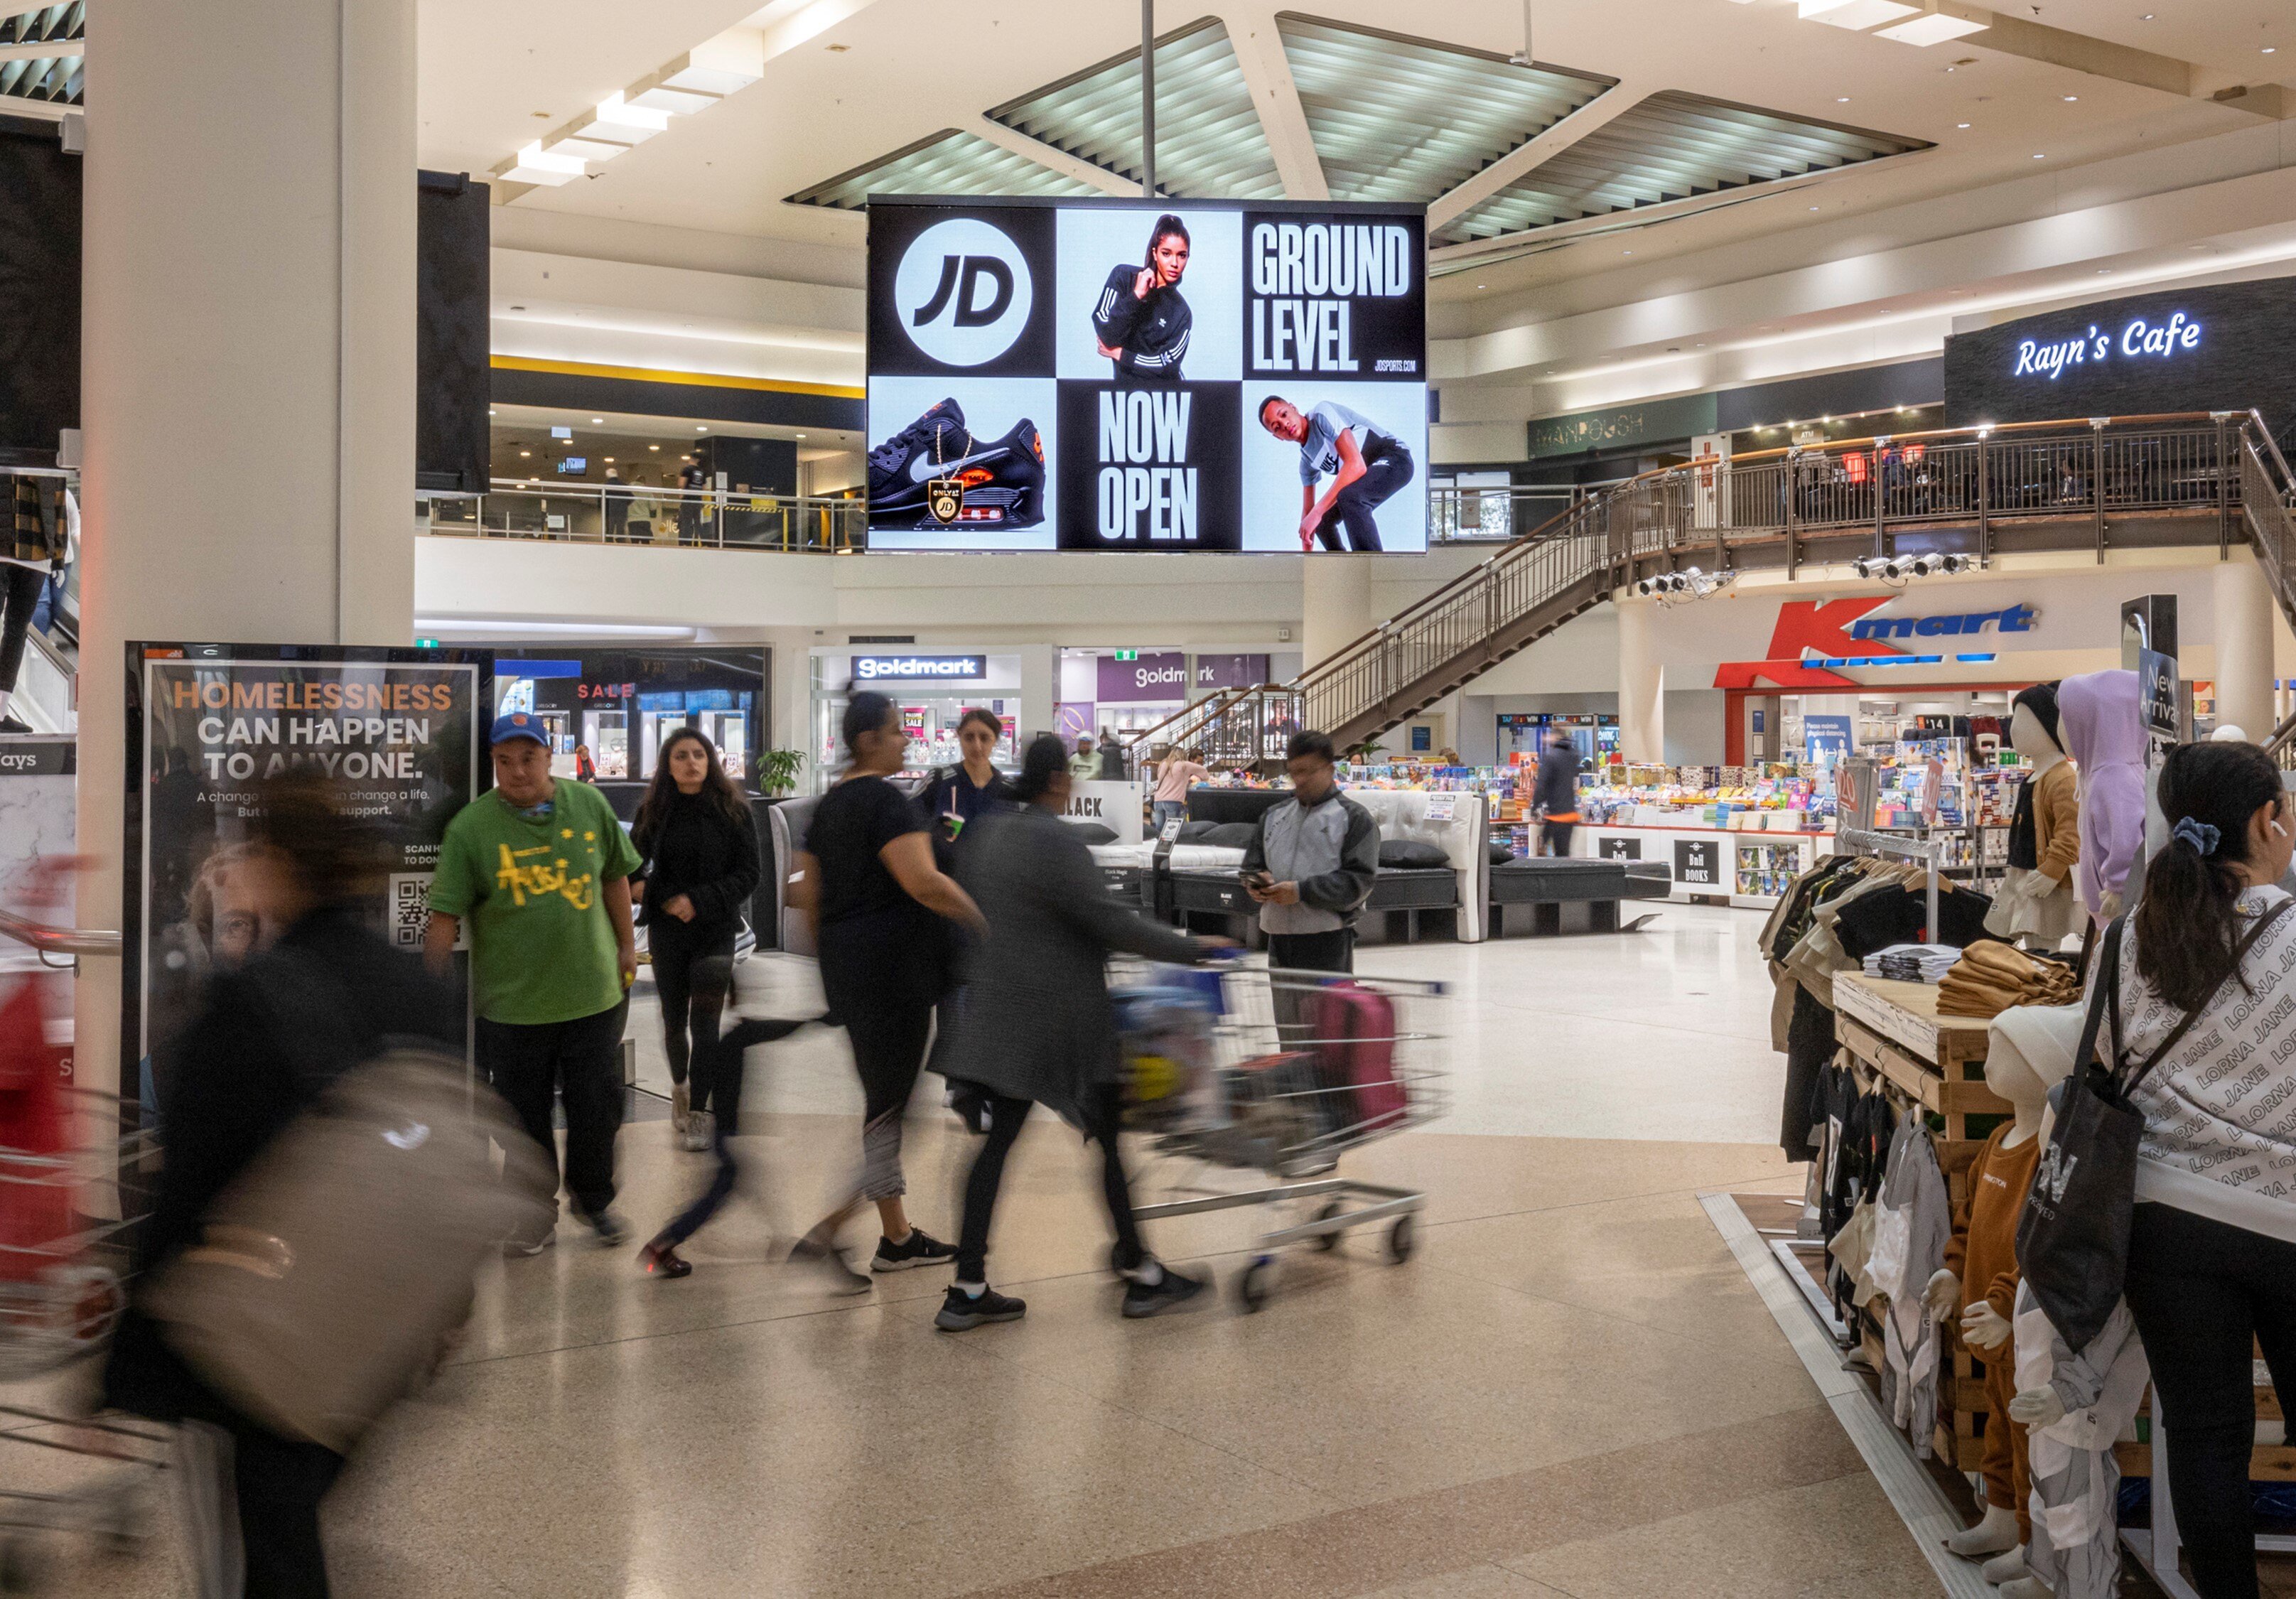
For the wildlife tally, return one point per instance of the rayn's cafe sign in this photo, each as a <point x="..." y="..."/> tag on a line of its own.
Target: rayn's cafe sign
<point x="2136" y="341"/>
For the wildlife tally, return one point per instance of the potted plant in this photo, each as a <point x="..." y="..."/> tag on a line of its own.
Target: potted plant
<point x="777" y="771"/>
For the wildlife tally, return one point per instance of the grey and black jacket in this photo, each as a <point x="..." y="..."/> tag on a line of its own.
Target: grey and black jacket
<point x="1150" y="335"/>
<point x="1330" y="849"/>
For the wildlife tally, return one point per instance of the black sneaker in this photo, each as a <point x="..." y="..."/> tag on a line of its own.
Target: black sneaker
<point x="609" y="1227"/>
<point x="835" y="1265"/>
<point x="1169" y="1293"/>
<point x="922" y="1249"/>
<point x="961" y="1312"/>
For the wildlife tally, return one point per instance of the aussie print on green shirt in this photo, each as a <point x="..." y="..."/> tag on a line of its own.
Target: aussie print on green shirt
<point x="532" y="888"/>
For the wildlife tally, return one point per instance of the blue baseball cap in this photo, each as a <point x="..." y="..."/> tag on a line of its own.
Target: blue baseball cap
<point x="518" y="724"/>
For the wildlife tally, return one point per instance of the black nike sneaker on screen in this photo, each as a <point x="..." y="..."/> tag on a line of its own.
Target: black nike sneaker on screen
<point x="1003" y="480"/>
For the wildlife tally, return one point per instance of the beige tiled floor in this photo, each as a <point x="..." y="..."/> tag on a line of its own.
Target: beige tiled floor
<point x="1571" y="1388"/>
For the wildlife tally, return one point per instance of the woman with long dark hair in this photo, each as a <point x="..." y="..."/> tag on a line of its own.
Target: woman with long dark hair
<point x="1040" y="1028"/>
<point x="958" y="795"/>
<point x="2212" y="1246"/>
<point x="1140" y="321"/>
<point x="700" y="852"/>
<point x="866" y="881"/>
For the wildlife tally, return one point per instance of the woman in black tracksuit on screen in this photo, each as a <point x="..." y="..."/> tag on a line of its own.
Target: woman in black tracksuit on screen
<point x="1140" y="320"/>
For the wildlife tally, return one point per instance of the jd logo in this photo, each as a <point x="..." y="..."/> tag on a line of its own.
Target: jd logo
<point x="963" y="293"/>
<point x="944" y="498"/>
<point x="2056" y="1171"/>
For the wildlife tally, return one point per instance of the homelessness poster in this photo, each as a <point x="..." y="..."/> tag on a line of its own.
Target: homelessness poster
<point x="207" y="725"/>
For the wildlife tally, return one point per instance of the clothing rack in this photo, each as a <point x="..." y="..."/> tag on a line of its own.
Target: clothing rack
<point x="1931" y="852"/>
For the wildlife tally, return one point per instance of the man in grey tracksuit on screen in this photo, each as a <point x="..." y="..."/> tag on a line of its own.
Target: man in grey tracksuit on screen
<point x="1310" y="868"/>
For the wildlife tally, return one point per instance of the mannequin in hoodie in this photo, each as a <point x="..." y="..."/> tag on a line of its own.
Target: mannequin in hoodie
<point x="2104" y="733"/>
<point x="1982" y="1246"/>
<point x="2036" y="898"/>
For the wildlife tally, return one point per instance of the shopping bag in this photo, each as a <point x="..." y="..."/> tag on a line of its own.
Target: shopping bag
<point x="329" y="1268"/>
<point x="2072" y="1239"/>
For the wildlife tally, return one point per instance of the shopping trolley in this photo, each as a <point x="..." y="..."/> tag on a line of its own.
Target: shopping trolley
<point x="63" y="1288"/>
<point x="1247" y="1069"/>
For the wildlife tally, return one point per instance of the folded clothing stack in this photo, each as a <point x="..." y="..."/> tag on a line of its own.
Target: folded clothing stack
<point x="1912" y="962"/>
<point x="1991" y="977"/>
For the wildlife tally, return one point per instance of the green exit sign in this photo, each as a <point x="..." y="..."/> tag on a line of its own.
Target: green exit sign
<point x="1128" y="655"/>
<point x="426" y="644"/>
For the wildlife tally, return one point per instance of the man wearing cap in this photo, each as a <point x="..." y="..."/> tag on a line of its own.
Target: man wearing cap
<point x="539" y="869"/>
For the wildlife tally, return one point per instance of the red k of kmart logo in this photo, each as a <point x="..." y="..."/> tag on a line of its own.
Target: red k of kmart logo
<point x="1821" y="627"/>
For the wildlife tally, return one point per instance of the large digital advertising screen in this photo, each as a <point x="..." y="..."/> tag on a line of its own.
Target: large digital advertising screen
<point x="1118" y="375"/>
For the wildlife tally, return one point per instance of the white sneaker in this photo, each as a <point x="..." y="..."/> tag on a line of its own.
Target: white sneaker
<point x="514" y="1246"/>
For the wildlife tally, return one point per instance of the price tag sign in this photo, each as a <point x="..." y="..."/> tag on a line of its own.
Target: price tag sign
<point x="1442" y="808"/>
<point x="1171" y="834"/>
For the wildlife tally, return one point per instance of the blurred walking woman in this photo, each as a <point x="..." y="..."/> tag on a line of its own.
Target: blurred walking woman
<point x="866" y="881"/>
<point x="700" y="852"/>
<point x="1039" y="1027"/>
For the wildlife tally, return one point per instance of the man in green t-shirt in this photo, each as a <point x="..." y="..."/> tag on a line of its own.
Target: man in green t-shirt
<point x="539" y="869"/>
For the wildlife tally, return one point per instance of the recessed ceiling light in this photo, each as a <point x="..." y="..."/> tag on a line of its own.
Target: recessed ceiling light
<point x="1841" y="100"/>
<point x="653" y="447"/>
<point x="493" y="412"/>
<point x="1482" y="285"/>
<point x="2039" y="156"/>
<point x="526" y="452"/>
<point x="1961" y="124"/>
<point x="702" y="429"/>
<point x="1813" y="207"/>
<point x="597" y="422"/>
<point x="609" y="460"/>
<point x="2104" y="271"/>
<point x="2148" y="17"/>
<point x="2071" y="98"/>
<point x="1626" y="253"/>
<point x="2271" y="49"/>
<point x="799" y="435"/>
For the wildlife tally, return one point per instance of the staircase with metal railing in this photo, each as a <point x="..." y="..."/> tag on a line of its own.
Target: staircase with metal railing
<point x="2191" y="480"/>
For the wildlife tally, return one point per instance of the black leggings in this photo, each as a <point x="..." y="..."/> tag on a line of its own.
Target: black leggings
<point x="19" y="596"/>
<point x="2201" y="1290"/>
<point x="719" y="1068"/>
<point x="889" y="1050"/>
<point x="1005" y="1118"/>
<point x="690" y="975"/>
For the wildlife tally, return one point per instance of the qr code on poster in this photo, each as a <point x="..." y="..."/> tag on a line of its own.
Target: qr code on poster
<point x="410" y="894"/>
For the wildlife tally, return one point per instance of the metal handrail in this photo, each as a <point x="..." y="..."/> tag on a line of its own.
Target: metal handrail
<point x="2082" y="466"/>
<point x="58" y="940"/>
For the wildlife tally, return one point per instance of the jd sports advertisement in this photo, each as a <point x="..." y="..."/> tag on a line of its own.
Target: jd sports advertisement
<point x="1147" y="376"/>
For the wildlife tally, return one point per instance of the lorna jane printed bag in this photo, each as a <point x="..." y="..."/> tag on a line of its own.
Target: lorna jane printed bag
<point x="2072" y="1240"/>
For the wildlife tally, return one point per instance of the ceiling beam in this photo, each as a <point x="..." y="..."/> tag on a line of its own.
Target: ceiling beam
<point x="1053" y="159"/>
<point x="1597" y="112"/>
<point x="1258" y="46"/>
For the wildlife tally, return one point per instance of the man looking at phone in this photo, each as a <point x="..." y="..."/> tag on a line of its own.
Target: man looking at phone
<point x="1311" y="865"/>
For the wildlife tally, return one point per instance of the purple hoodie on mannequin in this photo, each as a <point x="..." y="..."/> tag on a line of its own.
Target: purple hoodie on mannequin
<point x="2104" y="733"/>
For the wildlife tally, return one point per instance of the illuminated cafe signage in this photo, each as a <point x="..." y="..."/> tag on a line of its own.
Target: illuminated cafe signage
<point x="913" y="669"/>
<point x="2138" y="340"/>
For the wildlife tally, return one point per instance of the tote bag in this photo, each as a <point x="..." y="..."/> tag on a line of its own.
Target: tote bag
<point x="2072" y="1240"/>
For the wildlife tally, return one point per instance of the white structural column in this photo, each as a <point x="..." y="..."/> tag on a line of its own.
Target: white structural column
<point x="248" y="360"/>
<point x="1642" y="684"/>
<point x="2244" y="619"/>
<point x="1335" y="606"/>
<point x="1040" y="692"/>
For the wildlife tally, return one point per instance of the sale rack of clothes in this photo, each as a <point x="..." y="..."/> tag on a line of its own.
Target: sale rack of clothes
<point x="1829" y="920"/>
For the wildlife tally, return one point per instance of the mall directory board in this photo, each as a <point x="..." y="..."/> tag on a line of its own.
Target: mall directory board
<point x="1122" y="374"/>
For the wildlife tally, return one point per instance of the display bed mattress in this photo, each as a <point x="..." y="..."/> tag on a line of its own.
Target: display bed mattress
<point x="1535" y="882"/>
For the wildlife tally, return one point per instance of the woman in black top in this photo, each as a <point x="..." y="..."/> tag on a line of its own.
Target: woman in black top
<point x="867" y="879"/>
<point x="701" y="851"/>
<point x="965" y="790"/>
